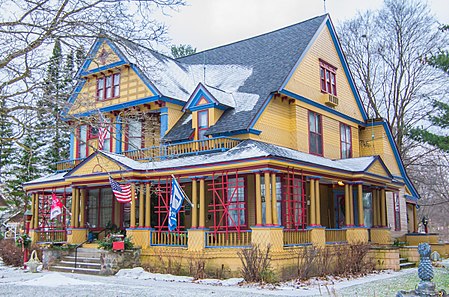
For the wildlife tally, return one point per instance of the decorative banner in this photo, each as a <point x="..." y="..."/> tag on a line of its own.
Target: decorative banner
<point x="56" y="206"/>
<point x="176" y="199"/>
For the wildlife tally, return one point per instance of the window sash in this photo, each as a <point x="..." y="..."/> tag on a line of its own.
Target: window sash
<point x="134" y="134"/>
<point x="82" y="142"/>
<point x="328" y="78"/>
<point x="203" y="124"/>
<point x="345" y="141"/>
<point x="315" y="134"/>
<point x="108" y="87"/>
<point x="236" y="201"/>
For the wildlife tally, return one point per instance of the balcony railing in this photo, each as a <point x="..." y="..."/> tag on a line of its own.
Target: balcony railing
<point x="335" y="235"/>
<point x="167" y="151"/>
<point x="165" y="238"/>
<point x="228" y="239"/>
<point x="51" y="236"/>
<point x="296" y="237"/>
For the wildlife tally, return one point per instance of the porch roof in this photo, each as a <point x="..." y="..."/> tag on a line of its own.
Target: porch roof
<point x="246" y="150"/>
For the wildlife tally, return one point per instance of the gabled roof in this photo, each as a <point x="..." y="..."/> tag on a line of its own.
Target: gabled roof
<point x="214" y="97"/>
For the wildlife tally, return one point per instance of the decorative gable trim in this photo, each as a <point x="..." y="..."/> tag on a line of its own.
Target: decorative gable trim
<point x="378" y="161"/>
<point x="91" y="157"/>
<point x="201" y="99"/>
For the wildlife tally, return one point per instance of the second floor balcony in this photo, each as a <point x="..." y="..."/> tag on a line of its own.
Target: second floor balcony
<point x="167" y="151"/>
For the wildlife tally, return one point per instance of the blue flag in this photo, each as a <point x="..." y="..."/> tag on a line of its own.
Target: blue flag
<point x="176" y="199"/>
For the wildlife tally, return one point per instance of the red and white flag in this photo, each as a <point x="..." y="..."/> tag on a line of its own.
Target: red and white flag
<point x="56" y="206"/>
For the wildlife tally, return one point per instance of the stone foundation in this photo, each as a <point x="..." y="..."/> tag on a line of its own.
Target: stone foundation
<point x="112" y="261"/>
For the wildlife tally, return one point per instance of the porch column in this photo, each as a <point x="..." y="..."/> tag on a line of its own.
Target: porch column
<point x="133" y="206"/>
<point x="258" y="201"/>
<point x="268" y="208"/>
<point x="351" y="204"/>
<point x="360" y="204"/>
<point x="379" y="215"/>
<point x="347" y="207"/>
<point x="82" y="207"/>
<point x="317" y="203"/>
<point x="415" y="221"/>
<point x="36" y="211"/>
<point x="374" y="202"/>
<point x="147" y="206"/>
<point x="195" y="204"/>
<point x="312" y="203"/>
<point x="202" y="205"/>
<point x="141" y="206"/>
<point x="383" y="208"/>
<point x="32" y="211"/>
<point x="75" y="207"/>
<point x="274" y="203"/>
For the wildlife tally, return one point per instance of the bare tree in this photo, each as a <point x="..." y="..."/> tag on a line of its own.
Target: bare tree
<point x="28" y="29"/>
<point x="387" y="52"/>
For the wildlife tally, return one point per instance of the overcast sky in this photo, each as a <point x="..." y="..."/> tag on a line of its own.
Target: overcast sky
<point x="209" y="23"/>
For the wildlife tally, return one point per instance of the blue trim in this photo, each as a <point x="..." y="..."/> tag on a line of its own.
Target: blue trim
<point x="118" y="133"/>
<point x="303" y="54"/>
<point x="261" y="110"/>
<point x="119" y="106"/>
<point x="237" y="132"/>
<point x="91" y="54"/>
<point x="321" y="106"/>
<point x="202" y="107"/>
<point x="72" y="145"/>
<point x="164" y="121"/>
<point x="346" y="69"/>
<point x="116" y="50"/>
<point x="397" y="156"/>
<point x="202" y="92"/>
<point x="79" y="86"/>
<point x="145" y="80"/>
<point x="377" y="158"/>
<point x="103" y="68"/>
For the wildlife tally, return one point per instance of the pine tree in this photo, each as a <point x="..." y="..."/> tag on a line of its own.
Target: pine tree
<point x="440" y="117"/>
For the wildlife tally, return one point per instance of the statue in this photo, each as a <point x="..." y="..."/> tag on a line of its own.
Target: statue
<point x="426" y="288"/>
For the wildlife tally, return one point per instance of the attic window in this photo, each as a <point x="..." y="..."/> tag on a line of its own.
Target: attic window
<point x="108" y="87"/>
<point x="328" y="78"/>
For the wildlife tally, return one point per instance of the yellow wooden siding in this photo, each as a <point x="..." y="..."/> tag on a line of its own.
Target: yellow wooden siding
<point x="174" y="114"/>
<point x="275" y="124"/>
<point x="131" y="88"/>
<point x="355" y="142"/>
<point x="111" y="57"/>
<point x="302" y="129"/>
<point x="378" y="169"/>
<point x="91" y="166"/>
<point x="331" y="138"/>
<point x="306" y="78"/>
<point x="214" y="115"/>
<point x="374" y="141"/>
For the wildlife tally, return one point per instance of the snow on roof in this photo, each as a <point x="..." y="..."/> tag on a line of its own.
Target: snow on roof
<point x="221" y="96"/>
<point x="48" y="178"/>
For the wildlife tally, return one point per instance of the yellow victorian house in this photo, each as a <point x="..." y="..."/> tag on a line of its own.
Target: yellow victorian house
<point x="268" y="137"/>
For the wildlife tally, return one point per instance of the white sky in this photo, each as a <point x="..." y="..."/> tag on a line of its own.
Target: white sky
<point x="209" y="23"/>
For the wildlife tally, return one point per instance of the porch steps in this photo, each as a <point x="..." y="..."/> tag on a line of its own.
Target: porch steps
<point x="87" y="262"/>
<point x="404" y="263"/>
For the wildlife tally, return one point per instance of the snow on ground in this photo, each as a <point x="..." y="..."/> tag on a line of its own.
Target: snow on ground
<point x="137" y="282"/>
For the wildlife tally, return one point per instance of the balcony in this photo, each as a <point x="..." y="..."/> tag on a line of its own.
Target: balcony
<point x="168" y="151"/>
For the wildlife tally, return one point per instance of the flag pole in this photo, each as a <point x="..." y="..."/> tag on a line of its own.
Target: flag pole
<point x="185" y="195"/>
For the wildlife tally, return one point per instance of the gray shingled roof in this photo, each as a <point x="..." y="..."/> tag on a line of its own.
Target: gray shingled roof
<point x="271" y="57"/>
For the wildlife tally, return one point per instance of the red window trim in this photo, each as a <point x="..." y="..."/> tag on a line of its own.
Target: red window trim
<point x="198" y="122"/>
<point x="245" y="201"/>
<point x="320" y="133"/>
<point x="327" y="86"/>
<point x="142" y="136"/>
<point x="104" y="77"/>
<point x="99" y="200"/>
<point x="350" y="141"/>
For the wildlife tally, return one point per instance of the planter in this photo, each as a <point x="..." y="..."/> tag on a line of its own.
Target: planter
<point x="113" y="261"/>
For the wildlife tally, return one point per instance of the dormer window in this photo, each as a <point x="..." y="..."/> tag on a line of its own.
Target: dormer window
<point x="108" y="87"/>
<point x="328" y="78"/>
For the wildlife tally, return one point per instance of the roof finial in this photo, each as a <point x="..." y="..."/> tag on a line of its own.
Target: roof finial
<point x="324" y="4"/>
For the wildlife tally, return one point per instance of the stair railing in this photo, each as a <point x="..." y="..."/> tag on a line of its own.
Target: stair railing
<point x="76" y="250"/>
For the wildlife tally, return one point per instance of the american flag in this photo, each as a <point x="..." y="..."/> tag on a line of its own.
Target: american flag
<point x="121" y="192"/>
<point x="102" y="133"/>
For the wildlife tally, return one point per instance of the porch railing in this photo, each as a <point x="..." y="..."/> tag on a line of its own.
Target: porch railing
<point x="296" y="237"/>
<point x="165" y="238"/>
<point x="335" y="235"/>
<point x="228" y="239"/>
<point x="166" y="151"/>
<point x="51" y="236"/>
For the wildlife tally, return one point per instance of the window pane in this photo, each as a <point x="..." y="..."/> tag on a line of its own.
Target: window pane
<point x="116" y="85"/>
<point x="367" y="210"/>
<point x="83" y="133"/>
<point x="82" y="150"/>
<point x="106" y="203"/>
<point x="236" y="200"/>
<point x="312" y="122"/>
<point x="92" y="215"/>
<point x="100" y="87"/>
<point x="202" y="120"/>
<point x="135" y="128"/>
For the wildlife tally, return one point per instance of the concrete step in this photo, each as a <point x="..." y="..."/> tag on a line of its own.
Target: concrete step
<point x="90" y="271"/>
<point x="82" y="259"/>
<point x="79" y="264"/>
<point x="403" y="260"/>
<point x="406" y="265"/>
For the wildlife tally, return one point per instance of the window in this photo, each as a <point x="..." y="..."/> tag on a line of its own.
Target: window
<point x="278" y="199"/>
<point x="107" y="145"/>
<point x="108" y="87"/>
<point x="345" y="141"/>
<point x="134" y="135"/>
<point x="82" y="142"/>
<point x="315" y="134"/>
<point x="328" y="78"/>
<point x="397" y="212"/>
<point x="236" y="201"/>
<point x="203" y="124"/>
<point x="100" y="212"/>
<point x="367" y="198"/>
